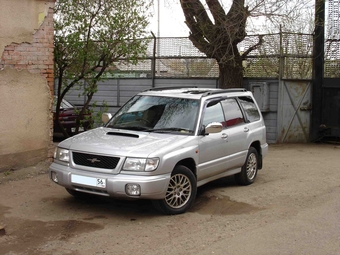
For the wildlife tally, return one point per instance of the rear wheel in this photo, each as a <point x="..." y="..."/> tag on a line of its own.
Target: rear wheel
<point x="181" y="192"/>
<point x="249" y="169"/>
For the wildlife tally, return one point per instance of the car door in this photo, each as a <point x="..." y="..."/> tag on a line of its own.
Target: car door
<point x="236" y="133"/>
<point x="212" y="147"/>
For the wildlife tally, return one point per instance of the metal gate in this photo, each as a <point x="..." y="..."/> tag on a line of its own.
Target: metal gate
<point x="294" y="111"/>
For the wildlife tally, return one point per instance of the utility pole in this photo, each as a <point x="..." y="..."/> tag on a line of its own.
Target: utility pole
<point x="318" y="68"/>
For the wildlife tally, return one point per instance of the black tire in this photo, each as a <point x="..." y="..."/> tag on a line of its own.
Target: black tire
<point x="249" y="169"/>
<point x="181" y="192"/>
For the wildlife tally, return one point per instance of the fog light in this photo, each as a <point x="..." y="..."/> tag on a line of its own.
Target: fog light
<point x="132" y="189"/>
<point x="54" y="177"/>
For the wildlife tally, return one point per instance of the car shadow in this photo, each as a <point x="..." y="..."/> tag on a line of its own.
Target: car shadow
<point x="107" y="207"/>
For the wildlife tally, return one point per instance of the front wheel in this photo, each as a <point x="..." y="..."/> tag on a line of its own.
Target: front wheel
<point x="181" y="192"/>
<point x="249" y="169"/>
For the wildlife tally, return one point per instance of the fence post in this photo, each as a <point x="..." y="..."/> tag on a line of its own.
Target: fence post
<point x="318" y="68"/>
<point x="280" y="99"/>
<point x="281" y="59"/>
<point x="153" y="61"/>
<point x="118" y="92"/>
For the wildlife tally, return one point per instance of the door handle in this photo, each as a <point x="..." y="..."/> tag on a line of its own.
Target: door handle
<point x="246" y="129"/>
<point x="224" y="136"/>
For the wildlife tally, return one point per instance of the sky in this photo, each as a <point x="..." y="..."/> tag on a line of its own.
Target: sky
<point x="170" y="21"/>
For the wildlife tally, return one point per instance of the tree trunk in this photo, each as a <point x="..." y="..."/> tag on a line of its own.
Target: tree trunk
<point x="231" y="75"/>
<point x="217" y="34"/>
<point x="83" y="111"/>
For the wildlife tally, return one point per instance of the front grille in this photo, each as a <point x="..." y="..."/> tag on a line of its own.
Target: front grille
<point x="97" y="161"/>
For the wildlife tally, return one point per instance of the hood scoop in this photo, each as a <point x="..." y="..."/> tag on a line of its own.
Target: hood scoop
<point x="123" y="134"/>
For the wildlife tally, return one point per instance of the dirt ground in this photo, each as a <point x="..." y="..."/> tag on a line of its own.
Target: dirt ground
<point x="292" y="208"/>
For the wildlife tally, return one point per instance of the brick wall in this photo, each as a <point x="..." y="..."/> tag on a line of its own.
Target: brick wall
<point x="26" y="77"/>
<point x="36" y="57"/>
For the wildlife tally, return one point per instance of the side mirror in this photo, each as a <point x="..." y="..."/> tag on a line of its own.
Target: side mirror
<point x="106" y="117"/>
<point x="213" y="127"/>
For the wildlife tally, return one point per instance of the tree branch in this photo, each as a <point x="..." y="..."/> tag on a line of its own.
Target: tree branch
<point x="254" y="47"/>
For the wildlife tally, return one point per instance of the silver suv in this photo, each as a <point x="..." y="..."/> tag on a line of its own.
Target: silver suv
<point x="163" y="144"/>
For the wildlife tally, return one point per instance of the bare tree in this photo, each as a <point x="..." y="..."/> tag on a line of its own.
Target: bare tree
<point x="217" y="33"/>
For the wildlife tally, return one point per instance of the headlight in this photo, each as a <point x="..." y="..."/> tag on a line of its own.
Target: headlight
<point x="141" y="164"/>
<point x="62" y="154"/>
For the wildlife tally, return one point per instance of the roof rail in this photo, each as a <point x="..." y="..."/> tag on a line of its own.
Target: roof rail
<point x="168" y="88"/>
<point x="224" y="91"/>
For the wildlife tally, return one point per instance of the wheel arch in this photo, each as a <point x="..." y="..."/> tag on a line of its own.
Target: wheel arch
<point x="189" y="163"/>
<point x="257" y="145"/>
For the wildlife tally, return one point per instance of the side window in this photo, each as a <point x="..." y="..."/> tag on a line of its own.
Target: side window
<point x="250" y="108"/>
<point x="232" y="112"/>
<point x="213" y="113"/>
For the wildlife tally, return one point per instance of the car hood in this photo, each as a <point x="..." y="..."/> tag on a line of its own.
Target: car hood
<point x="123" y="142"/>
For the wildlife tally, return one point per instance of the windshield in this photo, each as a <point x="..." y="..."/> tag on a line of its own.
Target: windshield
<point x="157" y="114"/>
<point x="63" y="104"/>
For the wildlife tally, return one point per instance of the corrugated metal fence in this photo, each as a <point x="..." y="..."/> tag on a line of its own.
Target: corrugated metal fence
<point x="284" y="104"/>
<point x="284" y="61"/>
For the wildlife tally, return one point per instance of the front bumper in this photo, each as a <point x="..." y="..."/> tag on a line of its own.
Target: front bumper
<point x="152" y="187"/>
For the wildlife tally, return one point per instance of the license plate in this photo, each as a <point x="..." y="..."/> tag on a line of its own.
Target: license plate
<point x="74" y="129"/>
<point x="90" y="181"/>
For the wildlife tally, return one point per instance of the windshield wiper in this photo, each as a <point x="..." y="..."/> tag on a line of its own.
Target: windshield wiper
<point x="169" y="130"/>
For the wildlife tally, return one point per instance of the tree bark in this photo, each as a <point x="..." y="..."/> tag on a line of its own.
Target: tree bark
<point x="231" y="76"/>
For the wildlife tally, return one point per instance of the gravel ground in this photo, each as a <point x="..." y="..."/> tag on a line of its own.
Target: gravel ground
<point x="292" y="208"/>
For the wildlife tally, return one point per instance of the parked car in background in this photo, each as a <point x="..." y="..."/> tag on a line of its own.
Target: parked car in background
<point x="68" y="115"/>
<point x="163" y="144"/>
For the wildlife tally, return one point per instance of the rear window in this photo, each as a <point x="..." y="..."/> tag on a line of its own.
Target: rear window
<point x="250" y="108"/>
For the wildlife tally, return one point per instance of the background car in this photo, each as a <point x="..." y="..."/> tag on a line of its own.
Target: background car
<point x="68" y="115"/>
